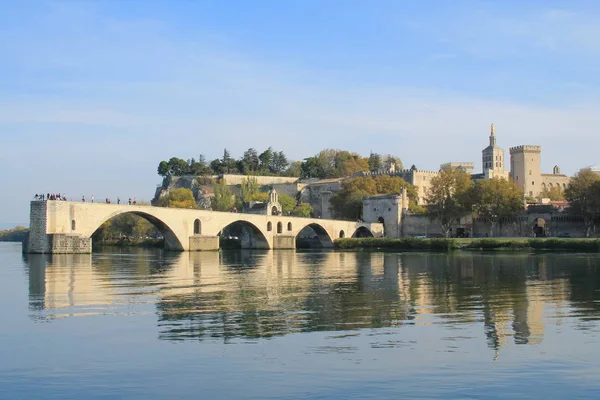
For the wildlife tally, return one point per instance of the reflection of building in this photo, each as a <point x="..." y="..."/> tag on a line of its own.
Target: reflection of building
<point x="249" y="294"/>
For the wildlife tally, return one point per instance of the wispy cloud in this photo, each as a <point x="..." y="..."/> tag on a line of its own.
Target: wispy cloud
<point x="111" y="94"/>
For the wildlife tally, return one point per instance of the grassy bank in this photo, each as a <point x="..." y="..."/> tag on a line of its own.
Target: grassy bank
<point x="516" y="244"/>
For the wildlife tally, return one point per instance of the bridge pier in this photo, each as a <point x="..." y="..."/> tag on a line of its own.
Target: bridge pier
<point x="203" y="243"/>
<point x="284" y="242"/>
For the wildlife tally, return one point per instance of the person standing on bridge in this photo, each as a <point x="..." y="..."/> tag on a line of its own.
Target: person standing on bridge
<point x="83" y="198"/>
<point x="92" y="198"/>
<point x="118" y="200"/>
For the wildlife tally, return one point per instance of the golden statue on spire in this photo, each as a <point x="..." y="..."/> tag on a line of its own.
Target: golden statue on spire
<point x="493" y="129"/>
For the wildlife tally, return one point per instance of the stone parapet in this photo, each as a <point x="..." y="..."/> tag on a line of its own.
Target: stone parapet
<point x="526" y="148"/>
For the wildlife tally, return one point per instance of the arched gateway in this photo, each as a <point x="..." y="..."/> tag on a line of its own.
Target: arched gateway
<point x="67" y="227"/>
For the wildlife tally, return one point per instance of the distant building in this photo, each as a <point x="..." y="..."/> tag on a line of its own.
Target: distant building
<point x="468" y="167"/>
<point x="525" y="170"/>
<point x="593" y="168"/>
<point x="270" y="207"/>
<point x="492" y="158"/>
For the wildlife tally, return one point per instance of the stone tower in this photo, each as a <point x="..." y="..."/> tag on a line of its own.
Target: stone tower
<point x="493" y="158"/>
<point x="525" y="171"/>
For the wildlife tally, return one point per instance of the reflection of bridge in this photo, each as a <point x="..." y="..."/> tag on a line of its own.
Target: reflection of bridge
<point x="67" y="227"/>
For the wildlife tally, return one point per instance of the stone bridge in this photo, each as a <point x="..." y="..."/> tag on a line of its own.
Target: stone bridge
<point x="67" y="227"/>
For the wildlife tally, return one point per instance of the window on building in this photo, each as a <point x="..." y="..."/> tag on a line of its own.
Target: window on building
<point x="289" y="226"/>
<point x="73" y="225"/>
<point x="279" y="227"/>
<point x="533" y="183"/>
<point x="197" y="227"/>
<point x="269" y="226"/>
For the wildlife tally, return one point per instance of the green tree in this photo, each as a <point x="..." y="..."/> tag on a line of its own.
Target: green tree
<point x="266" y="158"/>
<point x="250" y="161"/>
<point x="288" y="203"/>
<point x="223" y="199"/>
<point x="249" y="187"/>
<point x="163" y="168"/>
<point x="375" y="162"/>
<point x="496" y="198"/>
<point x="302" y="210"/>
<point x="279" y="162"/>
<point x="294" y="169"/>
<point x="583" y="195"/>
<point x="390" y="160"/>
<point x="449" y="197"/>
<point x="554" y="194"/>
<point x="178" y="198"/>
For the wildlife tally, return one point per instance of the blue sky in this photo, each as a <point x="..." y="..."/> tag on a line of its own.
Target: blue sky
<point x="94" y="94"/>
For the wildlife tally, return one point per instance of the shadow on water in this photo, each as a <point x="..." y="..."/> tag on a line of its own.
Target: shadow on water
<point x="244" y="294"/>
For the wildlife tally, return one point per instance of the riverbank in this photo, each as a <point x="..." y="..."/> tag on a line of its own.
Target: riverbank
<point x="451" y="244"/>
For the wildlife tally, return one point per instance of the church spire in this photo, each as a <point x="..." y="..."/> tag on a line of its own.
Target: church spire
<point x="492" y="136"/>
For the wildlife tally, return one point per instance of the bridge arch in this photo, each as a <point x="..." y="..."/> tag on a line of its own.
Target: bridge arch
<point x="314" y="235"/>
<point x="171" y="240"/>
<point x="362" y="232"/>
<point x="249" y="235"/>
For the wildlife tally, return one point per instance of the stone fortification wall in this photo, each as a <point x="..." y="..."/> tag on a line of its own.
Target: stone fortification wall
<point x="318" y="193"/>
<point x="556" y="225"/>
<point x="419" y="225"/>
<point x="232" y="179"/>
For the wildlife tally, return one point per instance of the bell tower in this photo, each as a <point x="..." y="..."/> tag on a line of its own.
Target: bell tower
<point x="492" y="158"/>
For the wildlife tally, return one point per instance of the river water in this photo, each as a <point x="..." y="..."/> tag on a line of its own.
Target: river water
<point x="145" y="324"/>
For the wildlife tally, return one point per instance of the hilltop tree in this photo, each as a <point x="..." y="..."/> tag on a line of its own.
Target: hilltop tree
<point x="496" y="198"/>
<point x="375" y="162"/>
<point x="266" y="158"/>
<point x="249" y="162"/>
<point x="583" y="195"/>
<point x="449" y="197"/>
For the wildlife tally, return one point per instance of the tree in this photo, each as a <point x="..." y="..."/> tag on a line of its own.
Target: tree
<point x="228" y="164"/>
<point x="294" y="169"/>
<point x="177" y="166"/>
<point x="266" y="157"/>
<point x="449" y="197"/>
<point x="223" y="199"/>
<point x="178" y="198"/>
<point x="391" y="160"/>
<point x="163" y="168"/>
<point x="496" y="198"/>
<point x="554" y="194"/>
<point x="288" y="203"/>
<point x="249" y="187"/>
<point x="279" y="162"/>
<point x="302" y="210"/>
<point x="250" y="161"/>
<point x="375" y="162"/>
<point x="583" y="195"/>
